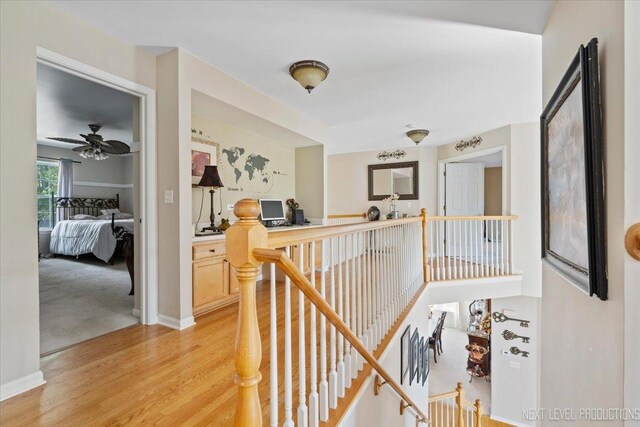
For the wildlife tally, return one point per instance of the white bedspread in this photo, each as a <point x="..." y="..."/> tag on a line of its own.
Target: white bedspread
<point x="86" y="236"/>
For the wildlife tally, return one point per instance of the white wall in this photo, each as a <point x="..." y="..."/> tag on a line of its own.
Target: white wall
<point x="347" y="188"/>
<point x="117" y="171"/>
<point x="632" y="203"/>
<point x="24" y="26"/>
<point x="382" y="410"/>
<point x="582" y="354"/>
<point x="514" y="379"/>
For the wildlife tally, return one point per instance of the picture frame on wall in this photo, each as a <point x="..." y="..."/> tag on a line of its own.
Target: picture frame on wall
<point x="425" y="361"/>
<point x="420" y="361"/>
<point x="414" y="356"/>
<point x="404" y="353"/>
<point x="572" y="162"/>
<point x="199" y="159"/>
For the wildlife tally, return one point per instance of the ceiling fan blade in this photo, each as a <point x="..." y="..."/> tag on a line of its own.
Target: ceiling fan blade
<point x="93" y="137"/>
<point x="118" y="147"/>
<point x="81" y="149"/>
<point x="69" y="140"/>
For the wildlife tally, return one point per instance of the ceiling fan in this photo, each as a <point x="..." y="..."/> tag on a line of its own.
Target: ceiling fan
<point x="94" y="146"/>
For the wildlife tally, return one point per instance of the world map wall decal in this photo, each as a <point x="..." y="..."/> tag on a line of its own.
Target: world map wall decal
<point x="250" y="171"/>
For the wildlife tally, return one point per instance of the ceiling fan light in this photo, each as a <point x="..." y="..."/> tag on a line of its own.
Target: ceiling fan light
<point x="417" y="135"/>
<point x="309" y="73"/>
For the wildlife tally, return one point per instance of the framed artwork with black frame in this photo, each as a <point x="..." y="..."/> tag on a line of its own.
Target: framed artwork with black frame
<point x="414" y="356"/>
<point x="572" y="162"/>
<point x="425" y="360"/>
<point x="404" y="353"/>
<point x="421" y="355"/>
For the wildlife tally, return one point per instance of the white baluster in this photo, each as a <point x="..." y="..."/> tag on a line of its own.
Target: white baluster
<point x="288" y="388"/>
<point x="341" y="375"/>
<point x="494" y="252"/>
<point x="333" y="376"/>
<point x="466" y="248"/>
<point x="510" y="243"/>
<point x="460" y="250"/>
<point x="314" y="415"/>
<point x="502" y="261"/>
<point x="323" y="397"/>
<point x="482" y="248"/>
<point x="354" y="302"/>
<point x="347" y="312"/>
<point x="303" y="420"/>
<point x="273" y="350"/>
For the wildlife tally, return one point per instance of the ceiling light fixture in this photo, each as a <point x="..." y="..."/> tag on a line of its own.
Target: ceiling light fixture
<point x="417" y="135"/>
<point x="309" y="73"/>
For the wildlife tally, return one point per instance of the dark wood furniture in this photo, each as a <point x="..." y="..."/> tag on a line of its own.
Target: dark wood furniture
<point x="435" y="340"/>
<point x="479" y="360"/>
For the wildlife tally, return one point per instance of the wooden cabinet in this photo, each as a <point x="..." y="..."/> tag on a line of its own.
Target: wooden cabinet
<point x="214" y="280"/>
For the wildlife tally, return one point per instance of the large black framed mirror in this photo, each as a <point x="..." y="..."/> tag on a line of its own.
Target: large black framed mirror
<point x="389" y="178"/>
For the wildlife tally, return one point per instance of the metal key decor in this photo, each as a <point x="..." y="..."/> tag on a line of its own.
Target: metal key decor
<point x="509" y="335"/>
<point x="501" y="317"/>
<point x="516" y="351"/>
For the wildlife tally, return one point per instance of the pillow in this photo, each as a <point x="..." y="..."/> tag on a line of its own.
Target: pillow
<point x="83" y="216"/>
<point x="116" y="215"/>
<point x="109" y="211"/>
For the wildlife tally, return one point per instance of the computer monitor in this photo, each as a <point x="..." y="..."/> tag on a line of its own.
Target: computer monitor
<point x="271" y="210"/>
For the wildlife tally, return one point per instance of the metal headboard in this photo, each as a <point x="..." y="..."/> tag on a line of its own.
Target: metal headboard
<point x="66" y="207"/>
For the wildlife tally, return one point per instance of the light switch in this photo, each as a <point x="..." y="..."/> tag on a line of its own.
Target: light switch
<point x="168" y="196"/>
<point x="230" y="207"/>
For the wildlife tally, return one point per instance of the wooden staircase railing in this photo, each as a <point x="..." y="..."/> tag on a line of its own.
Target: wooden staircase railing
<point x="451" y="409"/>
<point x="369" y="274"/>
<point x="338" y="219"/>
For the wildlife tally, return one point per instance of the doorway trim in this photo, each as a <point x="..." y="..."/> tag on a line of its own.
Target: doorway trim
<point x="148" y="288"/>
<point x="441" y="180"/>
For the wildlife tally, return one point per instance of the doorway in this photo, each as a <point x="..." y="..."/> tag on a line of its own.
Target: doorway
<point x="135" y="197"/>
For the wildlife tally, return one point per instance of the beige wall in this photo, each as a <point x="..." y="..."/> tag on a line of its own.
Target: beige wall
<point x="347" y="181"/>
<point x="310" y="181"/>
<point x="24" y="26"/>
<point x="582" y="353"/>
<point x="493" y="191"/>
<point x="282" y="159"/>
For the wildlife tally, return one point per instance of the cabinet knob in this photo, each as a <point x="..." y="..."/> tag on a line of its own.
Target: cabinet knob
<point x="212" y="250"/>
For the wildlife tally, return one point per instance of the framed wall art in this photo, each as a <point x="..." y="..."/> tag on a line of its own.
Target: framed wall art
<point x="414" y="356"/>
<point x="573" y="214"/>
<point x="404" y="353"/>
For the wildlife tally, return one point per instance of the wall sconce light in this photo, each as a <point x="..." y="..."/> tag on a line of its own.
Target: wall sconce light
<point x="464" y="144"/>
<point x="309" y="73"/>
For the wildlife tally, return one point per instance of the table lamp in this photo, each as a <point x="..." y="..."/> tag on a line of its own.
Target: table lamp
<point x="211" y="179"/>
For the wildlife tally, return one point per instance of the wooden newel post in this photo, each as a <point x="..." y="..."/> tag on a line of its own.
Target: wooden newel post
<point x="478" y="406"/>
<point x="245" y="235"/>
<point x="425" y="246"/>
<point x="460" y="405"/>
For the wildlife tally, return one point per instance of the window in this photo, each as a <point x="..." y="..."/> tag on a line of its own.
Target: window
<point x="47" y="184"/>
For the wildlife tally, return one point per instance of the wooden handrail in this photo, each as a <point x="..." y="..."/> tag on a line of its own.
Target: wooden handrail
<point x="354" y="215"/>
<point x="443" y="395"/>
<point x="280" y="239"/>
<point x="474" y="218"/>
<point x="287" y="266"/>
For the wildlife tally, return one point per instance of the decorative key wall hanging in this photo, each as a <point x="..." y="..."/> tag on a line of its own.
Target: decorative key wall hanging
<point x="516" y="351"/>
<point x="501" y="317"/>
<point x="509" y="335"/>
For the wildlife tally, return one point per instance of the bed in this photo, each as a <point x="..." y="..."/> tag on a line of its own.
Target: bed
<point x="77" y="232"/>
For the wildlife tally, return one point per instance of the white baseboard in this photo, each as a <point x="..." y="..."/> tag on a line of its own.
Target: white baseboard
<point x="174" y="323"/>
<point x="136" y="312"/>
<point x="21" y="385"/>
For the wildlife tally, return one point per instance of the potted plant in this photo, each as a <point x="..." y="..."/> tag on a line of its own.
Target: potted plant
<point x="391" y="206"/>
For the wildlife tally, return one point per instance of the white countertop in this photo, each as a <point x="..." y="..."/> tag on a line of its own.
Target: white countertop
<point x="213" y="237"/>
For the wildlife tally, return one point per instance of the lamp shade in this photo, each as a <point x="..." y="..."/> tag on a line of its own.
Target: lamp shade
<point x="417" y="135"/>
<point x="210" y="177"/>
<point x="309" y="73"/>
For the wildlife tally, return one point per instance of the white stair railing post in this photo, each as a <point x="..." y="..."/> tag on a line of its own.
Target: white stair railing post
<point x="323" y="397"/>
<point x="288" y="386"/>
<point x="273" y="351"/>
<point x="314" y="416"/>
<point x="333" y="376"/>
<point x="341" y="315"/>
<point x="303" y="420"/>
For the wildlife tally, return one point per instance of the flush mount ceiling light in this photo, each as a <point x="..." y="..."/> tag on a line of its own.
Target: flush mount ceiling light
<point x="309" y="73"/>
<point x="417" y="135"/>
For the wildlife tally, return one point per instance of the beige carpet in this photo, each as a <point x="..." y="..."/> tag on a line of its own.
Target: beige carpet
<point x="451" y="369"/>
<point x="82" y="299"/>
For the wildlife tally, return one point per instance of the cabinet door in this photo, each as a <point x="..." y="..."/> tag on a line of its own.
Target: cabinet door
<point x="208" y="281"/>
